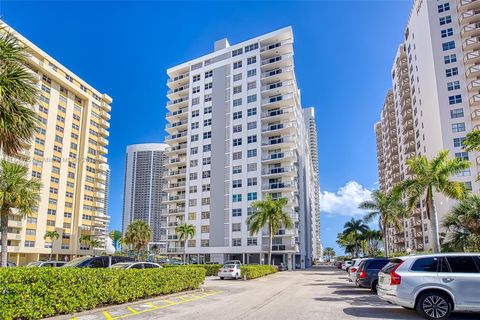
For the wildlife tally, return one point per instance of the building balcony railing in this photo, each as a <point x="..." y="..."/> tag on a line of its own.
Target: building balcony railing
<point x="279" y="114"/>
<point x="178" y="91"/>
<point x="281" y="247"/>
<point x="177" y="172"/>
<point x="279" y="156"/>
<point x="176" y="197"/>
<point x="181" y="78"/>
<point x="474" y="86"/>
<point x="176" y="210"/>
<point x="178" y="125"/>
<point x="276" y="48"/>
<point x="277" y="61"/>
<point x="279" y="128"/>
<point x="176" y="137"/>
<point x="464" y="5"/>
<point x="278" y="86"/>
<point x="279" y="185"/>
<point x="474" y="100"/>
<point x="278" y="74"/>
<point x="175" y="149"/>
<point x="279" y="171"/>
<point x="470" y="16"/>
<point x="472" y="43"/>
<point x="176" y="185"/>
<point x="471" y="30"/>
<point x="177" y="103"/>
<point x="177" y="113"/>
<point x="279" y="141"/>
<point x="176" y="250"/>
<point x="473" y="72"/>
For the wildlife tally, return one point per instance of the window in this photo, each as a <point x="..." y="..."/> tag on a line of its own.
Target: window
<point x="208" y="85"/>
<point x="237" y="169"/>
<point x="237" y="183"/>
<point x="445" y="20"/>
<point x="236" y="242"/>
<point x="252" y="125"/>
<point x="251" y="60"/>
<point x="236" y="212"/>
<point x="468" y="185"/>
<point x="205" y="214"/>
<point x="207" y="135"/>
<point x="425" y="265"/>
<point x="236" y="197"/>
<point x="30" y="244"/>
<point x="236" y="227"/>
<point x="251" y="167"/>
<point x="456" y="113"/>
<point x="195" y="113"/>
<point x="208" y="97"/>
<point x="250" y="211"/>
<point x="451" y="72"/>
<point x="237" y="77"/>
<point x="251" y="85"/>
<point x="206" y="187"/>
<point x="194" y="150"/>
<point x="461" y="155"/>
<point x="251" y="196"/>
<point x="237" y="142"/>
<point x="252" y="242"/>
<point x="237" y="155"/>
<point x="458" y="142"/>
<point x="455" y="99"/>
<point x="194" y="137"/>
<point x="205" y="229"/>
<point x="237" y="115"/>
<point x="443" y="7"/>
<point x="458" y="127"/>
<point x="206" y="174"/>
<point x="207" y="110"/>
<point x="194" y="125"/>
<point x="252" y="139"/>
<point x="448" y="45"/>
<point x="237" y="64"/>
<point x="251" y="153"/>
<point x="446" y="33"/>
<point x="453" y="85"/>
<point x="251" y="182"/>
<point x="237" y="102"/>
<point x="251" y="47"/>
<point x="252" y="98"/>
<point x="251" y="112"/>
<point x="251" y="73"/>
<point x="450" y="58"/>
<point x="208" y="74"/>
<point x="205" y="243"/>
<point x="237" y="128"/>
<point x="237" y="52"/>
<point x="196" y="78"/>
<point x="465" y="264"/>
<point x="237" y="89"/>
<point x="207" y="147"/>
<point x="207" y="122"/>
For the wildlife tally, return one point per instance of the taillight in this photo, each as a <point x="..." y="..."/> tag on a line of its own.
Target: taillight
<point x="231" y="270"/>
<point x="363" y="274"/>
<point x="395" y="278"/>
<point x="353" y="269"/>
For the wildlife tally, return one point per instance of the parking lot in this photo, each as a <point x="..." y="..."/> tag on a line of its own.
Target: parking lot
<point x="318" y="293"/>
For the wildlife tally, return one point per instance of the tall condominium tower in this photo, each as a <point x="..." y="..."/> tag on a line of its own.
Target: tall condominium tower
<point x="434" y="103"/>
<point x="144" y="195"/>
<point x="314" y="192"/>
<point x="68" y="155"/>
<point x="237" y="133"/>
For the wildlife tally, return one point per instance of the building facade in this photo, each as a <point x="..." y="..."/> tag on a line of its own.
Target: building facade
<point x="68" y="155"/>
<point x="433" y="104"/>
<point x="237" y="133"/>
<point x="144" y="190"/>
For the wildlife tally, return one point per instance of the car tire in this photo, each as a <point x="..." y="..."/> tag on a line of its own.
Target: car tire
<point x="221" y="278"/>
<point x="236" y="276"/>
<point x="374" y="287"/>
<point x="434" y="305"/>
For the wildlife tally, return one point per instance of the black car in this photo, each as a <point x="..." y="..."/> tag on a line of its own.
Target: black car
<point x="367" y="274"/>
<point x="95" y="262"/>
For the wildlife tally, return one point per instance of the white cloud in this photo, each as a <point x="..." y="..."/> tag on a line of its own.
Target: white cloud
<point x="345" y="201"/>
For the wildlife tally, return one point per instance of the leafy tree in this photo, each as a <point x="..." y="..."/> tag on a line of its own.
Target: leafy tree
<point x="355" y="229"/>
<point x="115" y="235"/>
<point x="388" y="209"/>
<point x="329" y="253"/>
<point x="463" y="224"/>
<point x="370" y="242"/>
<point x="19" y="195"/>
<point x="18" y="93"/>
<point x="184" y="232"/>
<point x="52" y="235"/>
<point x="138" y="235"/>
<point x="429" y="177"/>
<point x="269" y="212"/>
<point x="93" y="243"/>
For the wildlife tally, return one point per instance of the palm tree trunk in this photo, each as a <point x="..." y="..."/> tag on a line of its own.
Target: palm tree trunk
<point x="434" y="217"/>
<point x="4" y="224"/>
<point x="51" y="253"/>
<point x="385" y="242"/>
<point x="271" y="244"/>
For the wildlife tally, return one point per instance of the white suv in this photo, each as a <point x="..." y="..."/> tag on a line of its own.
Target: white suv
<point x="434" y="285"/>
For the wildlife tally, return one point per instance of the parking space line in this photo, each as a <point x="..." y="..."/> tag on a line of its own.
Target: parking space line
<point x="107" y="315"/>
<point x="132" y="310"/>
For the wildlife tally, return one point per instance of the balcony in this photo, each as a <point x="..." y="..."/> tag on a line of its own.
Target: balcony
<point x="176" y="138"/>
<point x="177" y="114"/>
<point x="471" y="30"/>
<point x="474" y="86"/>
<point x="409" y="147"/>
<point x="177" y="126"/>
<point x="472" y="43"/>
<point x="99" y="204"/>
<point x="278" y="61"/>
<point x="279" y="142"/>
<point x="277" y="48"/>
<point x="470" y="16"/>
<point x="177" y="103"/>
<point x="279" y="157"/>
<point x="176" y="210"/>
<point x="102" y="167"/>
<point x="102" y="141"/>
<point x="176" y="198"/>
<point x="102" y="150"/>
<point x="279" y="128"/>
<point x="103" y="132"/>
<point x="181" y="79"/>
<point x="175" y="249"/>
<point x="179" y="92"/>
<point x="280" y="87"/>
<point x="104" y="123"/>
<point x="101" y="217"/>
<point x="472" y="57"/>
<point x="279" y="186"/>
<point x="105" y="115"/>
<point x="279" y="74"/>
<point x="176" y="173"/>
<point x="464" y="5"/>
<point x="407" y="125"/>
<point x="100" y="186"/>
<point x="279" y="114"/>
<point x="280" y="171"/>
<point x="281" y="247"/>
<point x="101" y="159"/>
<point x="175" y="149"/>
<point x="474" y="100"/>
<point x="14" y="224"/>
<point x="473" y="72"/>
<point x="176" y="185"/>
<point x="278" y="101"/>
<point x="176" y="162"/>
<point x="475" y="116"/>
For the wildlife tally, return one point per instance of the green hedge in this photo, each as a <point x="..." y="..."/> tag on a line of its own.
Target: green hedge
<point x="33" y="293"/>
<point x="257" y="271"/>
<point x="210" y="269"/>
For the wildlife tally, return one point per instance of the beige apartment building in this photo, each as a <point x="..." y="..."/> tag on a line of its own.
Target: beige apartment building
<point x="68" y="155"/>
<point x="433" y="104"/>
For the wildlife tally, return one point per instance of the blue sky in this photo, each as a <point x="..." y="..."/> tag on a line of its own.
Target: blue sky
<point x="343" y="55"/>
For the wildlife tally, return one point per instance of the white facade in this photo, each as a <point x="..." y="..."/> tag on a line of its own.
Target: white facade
<point x="435" y="101"/>
<point x="144" y="195"/>
<point x="236" y="134"/>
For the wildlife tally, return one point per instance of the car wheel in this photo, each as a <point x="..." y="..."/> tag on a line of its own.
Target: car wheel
<point x="374" y="287"/>
<point x="236" y="276"/>
<point x="434" y="306"/>
<point x="221" y="278"/>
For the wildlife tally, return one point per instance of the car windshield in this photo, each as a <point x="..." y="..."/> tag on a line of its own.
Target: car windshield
<point x="75" y="262"/>
<point x="34" y="264"/>
<point x="121" y="265"/>
<point x="229" y="266"/>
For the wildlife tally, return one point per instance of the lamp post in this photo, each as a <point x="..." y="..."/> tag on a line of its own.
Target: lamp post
<point x="109" y="249"/>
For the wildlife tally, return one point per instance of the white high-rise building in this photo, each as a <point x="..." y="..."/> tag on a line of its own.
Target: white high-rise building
<point x="144" y="190"/>
<point x="237" y="133"/>
<point x="434" y="103"/>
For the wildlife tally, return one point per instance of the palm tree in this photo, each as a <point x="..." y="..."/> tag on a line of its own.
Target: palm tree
<point x="329" y="253"/>
<point x="370" y="241"/>
<point x="52" y="235"/>
<point x="463" y="223"/>
<point x="85" y="239"/>
<point x="18" y="196"/>
<point x="18" y="93"/>
<point x="269" y="212"/>
<point x="115" y="235"/>
<point x="355" y="228"/>
<point x="184" y="232"/>
<point x="388" y="208"/>
<point x="429" y="177"/>
<point x="138" y="235"/>
<point x="93" y="243"/>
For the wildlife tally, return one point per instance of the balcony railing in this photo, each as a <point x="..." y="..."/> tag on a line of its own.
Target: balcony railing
<point x="276" y="71"/>
<point x="278" y="155"/>
<point x="280" y="140"/>
<point x="275" y="45"/>
<point x="177" y="210"/>
<point x="179" y="77"/>
<point x="278" y="170"/>
<point x="179" y="89"/>
<point x="278" y="126"/>
<point x="276" y="59"/>
<point x="177" y="172"/>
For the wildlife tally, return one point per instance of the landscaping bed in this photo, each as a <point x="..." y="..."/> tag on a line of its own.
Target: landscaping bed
<point x="257" y="271"/>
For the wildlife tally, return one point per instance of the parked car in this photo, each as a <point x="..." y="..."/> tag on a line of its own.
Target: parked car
<point x="352" y="271"/>
<point x="338" y="264"/>
<point x="367" y="273"/>
<point x="95" y="262"/>
<point x="233" y="262"/>
<point x="11" y="264"/>
<point x="434" y="285"/>
<point x="46" y="264"/>
<point x="230" y="271"/>
<point x="346" y="265"/>
<point x="282" y="267"/>
<point x="136" y="265"/>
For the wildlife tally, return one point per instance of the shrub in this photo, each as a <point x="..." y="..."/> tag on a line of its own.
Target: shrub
<point x="210" y="269"/>
<point x="257" y="271"/>
<point x="33" y="293"/>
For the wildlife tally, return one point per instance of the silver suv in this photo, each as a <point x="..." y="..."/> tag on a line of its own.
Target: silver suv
<point x="434" y="285"/>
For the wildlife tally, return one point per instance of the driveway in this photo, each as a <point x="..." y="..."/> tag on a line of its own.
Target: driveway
<point x="318" y="293"/>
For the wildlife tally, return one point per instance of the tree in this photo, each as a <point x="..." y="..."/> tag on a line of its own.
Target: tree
<point x="429" y="177"/>
<point x="329" y="253"/>
<point x="389" y="210"/>
<point x="53" y="236"/>
<point x="269" y="212"/>
<point x="18" y="92"/>
<point x="370" y="242"/>
<point x="93" y="243"/>
<point x="85" y="239"/>
<point x="138" y="235"/>
<point x="115" y="235"/>
<point x="355" y="228"/>
<point x="184" y="232"/>
<point x="19" y="195"/>
<point x="463" y="224"/>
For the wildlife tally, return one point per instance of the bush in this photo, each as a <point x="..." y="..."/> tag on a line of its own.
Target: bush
<point x="34" y="293"/>
<point x="257" y="271"/>
<point x="210" y="269"/>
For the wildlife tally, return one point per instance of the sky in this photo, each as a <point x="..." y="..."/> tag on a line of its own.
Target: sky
<point x="344" y="51"/>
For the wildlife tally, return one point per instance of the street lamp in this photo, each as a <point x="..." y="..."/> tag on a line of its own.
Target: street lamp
<point x="110" y="250"/>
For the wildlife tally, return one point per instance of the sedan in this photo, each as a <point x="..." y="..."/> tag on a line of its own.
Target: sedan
<point x="136" y="265"/>
<point x="229" y="271"/>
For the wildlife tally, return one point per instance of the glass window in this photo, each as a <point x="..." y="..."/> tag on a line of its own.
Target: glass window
<point x="462" y="264"/>
<point x="425" y="265"/>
